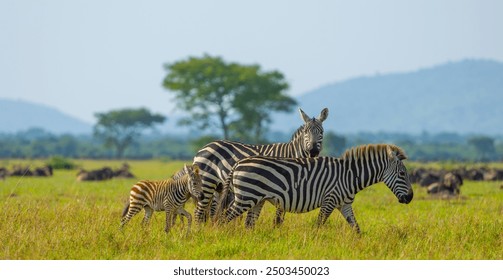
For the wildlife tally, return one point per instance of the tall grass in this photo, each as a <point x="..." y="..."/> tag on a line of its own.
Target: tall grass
<point x="60" y="218"/>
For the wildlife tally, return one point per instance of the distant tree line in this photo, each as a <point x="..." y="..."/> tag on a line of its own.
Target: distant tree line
<point x="37" y="143"/>
<point x="223" y="100"/>
<point x="438" y="146"/>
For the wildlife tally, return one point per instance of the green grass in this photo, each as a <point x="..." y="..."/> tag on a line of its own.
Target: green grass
<point x="59" y="218"/>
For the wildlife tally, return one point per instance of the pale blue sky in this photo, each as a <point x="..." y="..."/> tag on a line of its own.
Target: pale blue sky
<point x="92" y="56"/>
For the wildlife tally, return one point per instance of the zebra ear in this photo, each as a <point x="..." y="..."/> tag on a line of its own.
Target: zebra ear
<point x="323" y="115"/>
<point x="304" y="116"/>
<point x="186" y="169"/>
<point x="396" y="153"/>
<point x="400" y="156"/>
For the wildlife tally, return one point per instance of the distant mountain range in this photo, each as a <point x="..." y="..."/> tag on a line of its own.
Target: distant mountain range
<point x="19" y="115"/>
<point x="461" y="97"/>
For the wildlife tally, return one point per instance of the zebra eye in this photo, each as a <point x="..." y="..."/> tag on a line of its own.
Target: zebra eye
<point x="401" y="173"/>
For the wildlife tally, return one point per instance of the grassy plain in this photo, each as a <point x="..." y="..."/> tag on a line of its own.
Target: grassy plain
<point x="60" y="218"/>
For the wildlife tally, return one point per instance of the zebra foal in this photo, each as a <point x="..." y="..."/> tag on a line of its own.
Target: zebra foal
<point x="303" y="184"/>
<point x="165" y="195"/>
<point x="217" y="158"/>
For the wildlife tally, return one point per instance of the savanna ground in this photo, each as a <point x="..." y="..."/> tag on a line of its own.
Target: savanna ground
<point x="60" y="218"/>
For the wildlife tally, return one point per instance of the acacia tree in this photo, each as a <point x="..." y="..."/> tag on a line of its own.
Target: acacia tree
<point x="120" y="128"/>
<point x="237" y="99"/>
<point x="263" y="94"/>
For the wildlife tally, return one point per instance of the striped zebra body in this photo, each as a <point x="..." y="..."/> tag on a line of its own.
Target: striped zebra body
<point x="301" y="185"/>
<point x="217" y="158"/>
<point x="164" y="195"/>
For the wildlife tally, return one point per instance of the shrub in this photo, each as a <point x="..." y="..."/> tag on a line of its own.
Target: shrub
<point x="58" y="162"/>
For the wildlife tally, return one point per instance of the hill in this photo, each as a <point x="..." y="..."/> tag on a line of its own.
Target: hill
<point x="461" y="97"/>
<point x="19" y="115"/>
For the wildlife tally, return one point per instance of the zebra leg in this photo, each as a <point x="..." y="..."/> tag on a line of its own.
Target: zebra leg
<point x="183" y="212"/>
<point x="210" y="184"/>
<point x="169" y="218"/>
<point x="133" y="210"/>
<point x="214" y="206"/>
<point x="148" y="214"/>
<point x="170" y="212"/>
<point x="347" y="211"/>
<point x="234" y="211"/>
<point x="176" y="215"/>
<point x="280" y="217"/>
<point x="326" y="209"/>
<point x="253" y="214"/>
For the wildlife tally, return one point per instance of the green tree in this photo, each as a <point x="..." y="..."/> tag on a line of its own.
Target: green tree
<point x="120" y="128"/>
<point x="66" y="146"/>
<point x="333" y="144"/>
<point x="227" y="96"/>
<point x="264" y="93"/>
<point x="484" y="146"/>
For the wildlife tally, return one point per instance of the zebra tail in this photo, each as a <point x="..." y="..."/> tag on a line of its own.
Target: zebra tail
<point x="126" y="209"/>
<point x="223" y="203"/>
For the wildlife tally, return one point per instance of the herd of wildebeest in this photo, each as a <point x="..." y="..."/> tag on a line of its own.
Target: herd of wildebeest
<point x="101" y="174"/>
<point x="439" y="182"/>
<point x="447" y="183"/>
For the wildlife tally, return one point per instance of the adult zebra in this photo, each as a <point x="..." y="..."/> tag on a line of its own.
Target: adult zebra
<point x="217" y="158"/>
<point x="304" y="184"/>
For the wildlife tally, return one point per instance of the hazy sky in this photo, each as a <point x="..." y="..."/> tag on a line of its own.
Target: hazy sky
<point x="93" y="56"/>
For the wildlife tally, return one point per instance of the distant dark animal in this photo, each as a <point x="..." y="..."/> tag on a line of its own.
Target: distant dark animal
<point x="123" y="172"/>
<point x="425" y="177"/>
<point x="449" y="185"/>
<point x="429" y="177"/>
<point x="19" y="170"/>
<point x="3" y="173"/>
<point x="493" y="175"/>
<point x="416" y="174"/>
<point x="104" y="173"/>
<point x="45" y="171"/>
<point x="475" y="175"/>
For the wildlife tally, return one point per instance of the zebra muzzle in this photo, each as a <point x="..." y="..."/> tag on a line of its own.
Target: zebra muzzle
<point x="314" y="152"/>
<point x="406" y="198"/>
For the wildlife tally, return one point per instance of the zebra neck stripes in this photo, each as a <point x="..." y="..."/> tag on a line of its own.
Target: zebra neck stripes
<point x="292" y="149"/>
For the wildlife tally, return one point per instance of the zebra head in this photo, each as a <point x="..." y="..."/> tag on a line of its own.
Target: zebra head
<point x="194" y="181"/>
<point x="313" y="132"/>
<point x="396" y="177"/>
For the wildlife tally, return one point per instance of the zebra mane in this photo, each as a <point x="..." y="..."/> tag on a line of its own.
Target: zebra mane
<point x="180" y="173"/>
<point x="298" y="132"/>
<point x="364" y="151"/>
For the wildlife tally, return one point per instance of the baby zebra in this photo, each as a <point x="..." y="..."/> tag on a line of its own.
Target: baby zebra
<point x="169" y="195"/>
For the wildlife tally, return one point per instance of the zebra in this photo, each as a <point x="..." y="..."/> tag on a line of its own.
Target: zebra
<point x="301" y="185"/>
<point x="165" y="195"/>
<point x="217" y="158"/>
